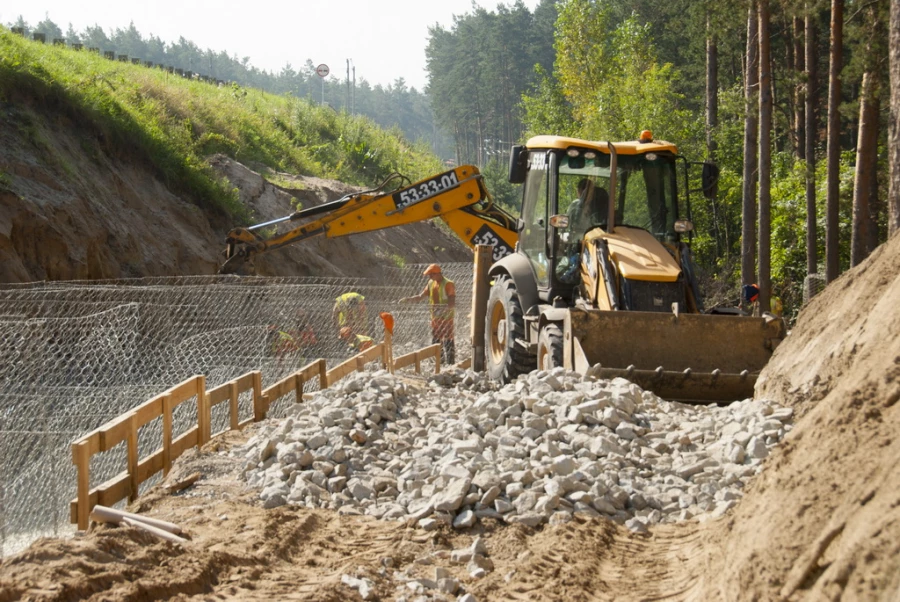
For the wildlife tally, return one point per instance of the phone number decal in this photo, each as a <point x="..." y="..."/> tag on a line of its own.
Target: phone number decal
<point x="423" y="190"/>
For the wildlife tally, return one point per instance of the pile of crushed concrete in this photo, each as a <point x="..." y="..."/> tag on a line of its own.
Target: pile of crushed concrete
<point x="539" y="450"/>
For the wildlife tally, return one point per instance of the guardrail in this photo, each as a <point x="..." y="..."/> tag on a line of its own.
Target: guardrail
<point x="126" y="427"/>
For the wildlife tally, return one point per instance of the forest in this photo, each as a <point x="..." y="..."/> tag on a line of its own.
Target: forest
<point x="790" y="98"/>
<point x="794" y="100"/>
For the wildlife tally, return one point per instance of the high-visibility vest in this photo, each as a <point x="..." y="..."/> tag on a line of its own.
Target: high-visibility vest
<point x="283" y="342"/>
<point x="438" y="298"/>
<point x="346" y="303"/>
<point x="361" y="342"/>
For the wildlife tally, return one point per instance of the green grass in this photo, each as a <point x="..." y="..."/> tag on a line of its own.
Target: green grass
<point x="175" y="124"/>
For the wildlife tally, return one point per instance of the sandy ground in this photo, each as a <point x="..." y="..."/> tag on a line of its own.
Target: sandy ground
<point x="822" y="521"/>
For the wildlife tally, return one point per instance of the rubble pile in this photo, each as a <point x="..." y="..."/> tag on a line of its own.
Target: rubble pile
<point x="539" y="450"/>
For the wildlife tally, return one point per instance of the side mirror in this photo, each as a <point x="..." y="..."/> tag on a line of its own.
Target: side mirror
<point x="518" y="166"/>
<point x="710" y="180"/>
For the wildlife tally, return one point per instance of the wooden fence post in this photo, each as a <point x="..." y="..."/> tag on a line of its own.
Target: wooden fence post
<point x="132" y="443"/>
<point x="167" y="434"/>
<point x="323" y="374"/>
<point x="233" y="406"/>
<point x="298" y="387"/>
<point x="204" y="413"/>
<point x="259" y="403"/>
<point x="81" y="457"/>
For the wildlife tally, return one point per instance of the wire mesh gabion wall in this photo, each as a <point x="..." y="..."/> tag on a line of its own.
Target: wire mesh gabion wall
<point x="77" y="354"/>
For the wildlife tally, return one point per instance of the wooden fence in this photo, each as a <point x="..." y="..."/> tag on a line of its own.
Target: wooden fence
<point x="126" y="427"/>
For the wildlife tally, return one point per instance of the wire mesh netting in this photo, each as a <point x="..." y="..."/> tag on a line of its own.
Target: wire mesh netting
<point x="77" y="354"/>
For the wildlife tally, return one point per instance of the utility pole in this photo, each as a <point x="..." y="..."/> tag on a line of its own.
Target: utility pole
<point x="349" y="110"/>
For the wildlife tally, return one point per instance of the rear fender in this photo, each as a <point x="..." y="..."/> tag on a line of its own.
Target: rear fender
<point x="552" y="315"/>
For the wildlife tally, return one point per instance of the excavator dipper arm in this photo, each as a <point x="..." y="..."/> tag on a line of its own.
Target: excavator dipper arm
<point x="457" y="196"/>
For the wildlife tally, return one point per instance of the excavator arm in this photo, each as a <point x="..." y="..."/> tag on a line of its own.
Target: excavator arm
<point x="458" y="196"/>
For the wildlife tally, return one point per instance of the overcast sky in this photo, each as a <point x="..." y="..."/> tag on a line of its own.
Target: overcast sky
<point x="384" y="39"/>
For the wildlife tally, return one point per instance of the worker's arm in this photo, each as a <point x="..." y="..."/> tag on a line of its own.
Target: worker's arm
<point x="416" y="298"/>
<point x="451" y="295"/>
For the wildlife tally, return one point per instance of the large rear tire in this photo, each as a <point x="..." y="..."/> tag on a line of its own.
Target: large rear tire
<point x="550" y="348"/>
<point x="504" y="325"/>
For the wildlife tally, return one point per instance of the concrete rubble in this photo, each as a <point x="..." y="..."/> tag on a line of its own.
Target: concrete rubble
<point x="537" y="451"/>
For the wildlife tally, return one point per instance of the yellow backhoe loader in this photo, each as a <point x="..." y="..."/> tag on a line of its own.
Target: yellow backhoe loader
<point x="594" y="276"/>
<point x="602" y="281"/>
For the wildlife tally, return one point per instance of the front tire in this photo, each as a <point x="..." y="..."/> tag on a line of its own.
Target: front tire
<point x="505" y="325"/>
<point x="550" y="348"/>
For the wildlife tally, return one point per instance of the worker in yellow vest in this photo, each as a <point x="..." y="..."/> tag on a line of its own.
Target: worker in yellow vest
<point x="356" y="342"/>
<point x="441" y="295"/>
<point x="350" y="310"/>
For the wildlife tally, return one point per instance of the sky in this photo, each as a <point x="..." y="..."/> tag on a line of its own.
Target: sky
<point x="384" y="39"/>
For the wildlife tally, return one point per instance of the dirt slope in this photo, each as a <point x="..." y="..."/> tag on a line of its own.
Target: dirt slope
<point x="70" y="210"/>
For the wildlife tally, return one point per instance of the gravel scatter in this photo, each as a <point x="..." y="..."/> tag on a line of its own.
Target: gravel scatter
<point x="539" y="450"/>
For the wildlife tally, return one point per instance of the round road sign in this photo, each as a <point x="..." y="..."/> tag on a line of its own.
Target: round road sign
<point x="322" y="70"/>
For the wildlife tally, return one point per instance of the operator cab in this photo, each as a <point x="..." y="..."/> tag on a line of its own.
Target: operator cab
<point x="571" y="190"/>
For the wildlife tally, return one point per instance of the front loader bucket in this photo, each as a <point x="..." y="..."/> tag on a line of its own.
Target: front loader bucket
<point x="687" y="357"/>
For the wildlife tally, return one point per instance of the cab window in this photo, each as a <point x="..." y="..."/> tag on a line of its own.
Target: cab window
<point x="533" y="239"/>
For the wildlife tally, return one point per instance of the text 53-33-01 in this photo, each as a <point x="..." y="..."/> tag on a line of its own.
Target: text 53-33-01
<point x="425" y="189"/>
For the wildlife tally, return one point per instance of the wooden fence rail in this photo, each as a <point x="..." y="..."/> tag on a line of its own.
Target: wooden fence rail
<point x="126" y="427"/>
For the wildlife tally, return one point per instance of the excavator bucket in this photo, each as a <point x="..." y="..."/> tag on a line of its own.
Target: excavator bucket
<point x="695" y="358"/>
<point x="234" y="265"/>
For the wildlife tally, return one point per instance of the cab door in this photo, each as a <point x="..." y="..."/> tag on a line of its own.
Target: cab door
<point x="536" y="207"/>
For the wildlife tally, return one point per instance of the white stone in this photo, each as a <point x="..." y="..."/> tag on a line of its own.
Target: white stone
<point x="464" y="520"/>
<point x="363" y="586"/>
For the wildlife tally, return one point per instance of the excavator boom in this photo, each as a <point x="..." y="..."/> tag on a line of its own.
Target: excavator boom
<point x="458" y="196"/>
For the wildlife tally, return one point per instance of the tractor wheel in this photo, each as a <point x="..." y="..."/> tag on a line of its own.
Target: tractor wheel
<point x="505" y="324"/>
<point x="550" y="347"/>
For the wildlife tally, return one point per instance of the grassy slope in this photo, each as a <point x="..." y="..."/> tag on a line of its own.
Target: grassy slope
<point x="173" y="123"/>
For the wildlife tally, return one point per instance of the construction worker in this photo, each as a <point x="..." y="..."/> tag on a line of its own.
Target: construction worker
<point x="441" y="295"/>
<point x="751" y="296"/>
<point x="289" y="342"/>
<point x="350" y="311"/>
<point x="356" y="342"/>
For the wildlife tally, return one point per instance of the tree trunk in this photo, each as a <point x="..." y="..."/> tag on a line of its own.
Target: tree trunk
<point x="751" y="128"/>
<point x="866" y="159"/>
<point x="876" y="205"/>
<point x="832" y="248"/>
<point x="812" y="254"/>
<point x="712" y="91"/>
<point x="894" y="125"/>
<point x="799" y="90"/>
<point x="765" y="158"/>
<point x="712" y="118"/>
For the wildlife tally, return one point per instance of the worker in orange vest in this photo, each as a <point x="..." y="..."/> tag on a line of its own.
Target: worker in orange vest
<point x="441" y="295"/>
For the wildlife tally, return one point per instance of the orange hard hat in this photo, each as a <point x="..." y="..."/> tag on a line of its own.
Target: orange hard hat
<point x="345" y="332"/>
<point x="432" y="269"/>
<point x="388" y="321"/>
